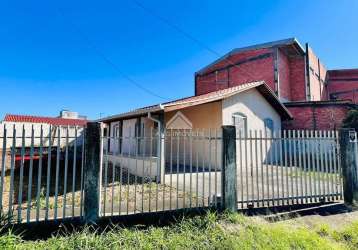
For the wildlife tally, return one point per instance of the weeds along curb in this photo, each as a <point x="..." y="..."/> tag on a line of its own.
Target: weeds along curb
<point x="45" y="229"/>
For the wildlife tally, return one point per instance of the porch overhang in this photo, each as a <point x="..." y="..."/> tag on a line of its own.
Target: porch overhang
<point x="260" y="86"/>
<point x="155" y="109"/>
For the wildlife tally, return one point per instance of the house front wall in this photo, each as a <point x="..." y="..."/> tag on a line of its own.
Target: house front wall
<point x="124" y="133"/>
<point x="205" y="116"/>
<point x="113" y="138"/>
<point x="254" y="106"/>
<point x="256" y="109"/>
<point x="205" y="119"/>
<point x="210" y="116"/>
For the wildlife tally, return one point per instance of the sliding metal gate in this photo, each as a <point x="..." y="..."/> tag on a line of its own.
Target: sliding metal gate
<point x="288" y="167"/>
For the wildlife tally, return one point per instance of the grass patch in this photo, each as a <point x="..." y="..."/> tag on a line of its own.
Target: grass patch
<point x="212" y="231"/>
<point x="315" y="175"/>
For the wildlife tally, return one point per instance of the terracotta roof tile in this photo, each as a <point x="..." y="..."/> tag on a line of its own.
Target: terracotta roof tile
<point x="215" y="94"/>
<point x="42" y="119"/>
<point x="205" y="98"/>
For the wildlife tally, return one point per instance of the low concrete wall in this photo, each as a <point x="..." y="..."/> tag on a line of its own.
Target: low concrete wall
<point x="141" y="166"/>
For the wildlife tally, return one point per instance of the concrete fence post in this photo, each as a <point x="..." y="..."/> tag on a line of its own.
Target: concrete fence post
<point x="228" y="173"/>
<point x="92" y="172"/>
<point x="349" y="164"/>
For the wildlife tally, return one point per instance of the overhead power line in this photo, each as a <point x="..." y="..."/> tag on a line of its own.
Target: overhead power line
<point x="93" y="46"/>
<point x="183" y="32"/>
<point x="175" y="27"/>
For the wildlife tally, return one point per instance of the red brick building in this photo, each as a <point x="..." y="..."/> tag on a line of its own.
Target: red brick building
<point x="343" y="84"/>
<point x="318" y="98"/>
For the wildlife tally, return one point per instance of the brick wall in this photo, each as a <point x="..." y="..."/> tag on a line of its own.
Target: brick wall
<point x="297" y="78"/>
<point x="316" y="115"/>
<point x="300" y="78"/>
<point x="256" y="65"/>
<point x="253" y="65"/>
<point x="317" y="76"/>
<point x="284" y="76"/>
<point x="343" y="85"/>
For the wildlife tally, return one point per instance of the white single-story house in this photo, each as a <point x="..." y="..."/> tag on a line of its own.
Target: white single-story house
<point x="21" y="132"/>
<point x="251" y="106"/>
<point x="25" y="125"/>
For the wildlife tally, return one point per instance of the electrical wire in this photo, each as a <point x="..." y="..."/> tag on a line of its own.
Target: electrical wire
<point x="186" y="34"/>
<point x="95" y="48"/>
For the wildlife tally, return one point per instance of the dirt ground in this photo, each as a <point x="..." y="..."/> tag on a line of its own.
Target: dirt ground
<point x="334" y="221"/>
<point x="335" y="216"/>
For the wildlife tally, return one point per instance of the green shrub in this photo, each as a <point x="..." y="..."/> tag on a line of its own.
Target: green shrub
<point x="351" y="120"/>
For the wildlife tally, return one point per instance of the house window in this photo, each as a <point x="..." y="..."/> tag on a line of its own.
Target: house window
<point x="269" y="125"/>
<point x="240" y="122"/>
<point x="116" y="131"/>
<point x="142" y="127"/>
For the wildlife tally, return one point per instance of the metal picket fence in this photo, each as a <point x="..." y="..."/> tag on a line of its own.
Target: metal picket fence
<point x="133" y="182"/>
<point x="273" y="169"/>
<point x="288" y="167"/>
<point x="44" y="174"/>
<point x="41" y="172"/>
